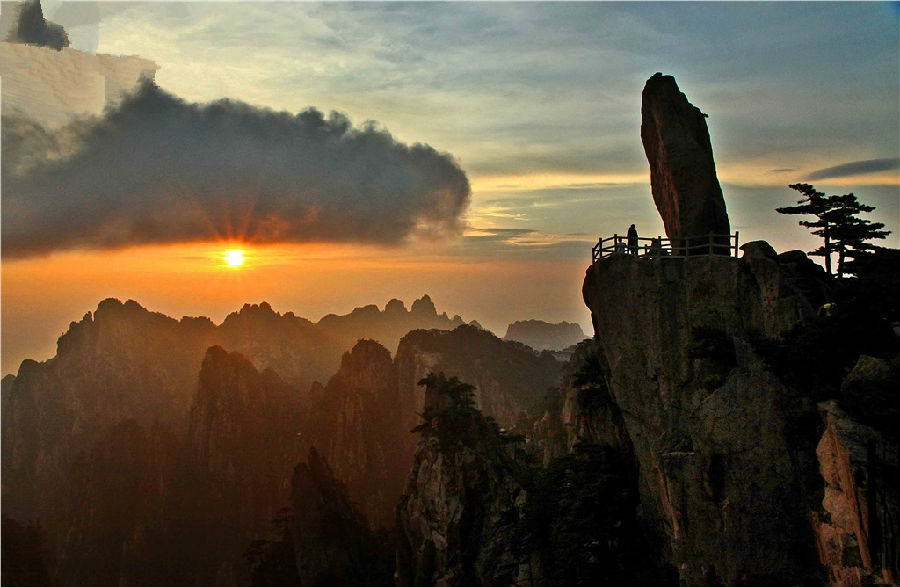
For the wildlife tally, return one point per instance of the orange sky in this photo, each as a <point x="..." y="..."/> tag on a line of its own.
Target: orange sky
<point x="538" y="103"/>
<point x="42" y="295"/>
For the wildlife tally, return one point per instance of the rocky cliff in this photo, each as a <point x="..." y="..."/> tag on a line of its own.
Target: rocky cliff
<point x="724" y="427"/>
<point x="363" y="417"/>
<point x="245" y="435"/>
<point x="508" y="377"/>
<point x="579" y="412"/>
<point x="125" y="362"/>
<point x="682" y="170"/>
<point x="361" y="428"/>
<point x="321" y="538"/>
<point x="118" y="363"/>
<point x="458" y="518"/>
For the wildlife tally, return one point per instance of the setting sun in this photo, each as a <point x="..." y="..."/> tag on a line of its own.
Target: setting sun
<point x="234" y="257"/>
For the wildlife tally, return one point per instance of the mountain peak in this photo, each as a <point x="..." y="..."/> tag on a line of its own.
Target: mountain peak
<point x="424" y="306"/>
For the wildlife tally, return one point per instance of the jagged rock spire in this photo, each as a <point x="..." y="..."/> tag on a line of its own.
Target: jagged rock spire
<point x="682" y="170"/>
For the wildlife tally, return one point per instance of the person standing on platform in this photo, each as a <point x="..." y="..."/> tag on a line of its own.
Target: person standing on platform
<point x="632" y="240"/>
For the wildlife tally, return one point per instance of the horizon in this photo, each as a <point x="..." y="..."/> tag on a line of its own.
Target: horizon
<point x="532" y="112"/>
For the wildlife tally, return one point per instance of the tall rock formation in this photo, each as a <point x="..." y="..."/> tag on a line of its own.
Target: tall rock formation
<point x="360" y="422"/>
<point x="682" y="170"/>
<point x="457" y="521"/>
<point x="362" y="419"/>
<point x="323" y="539"/>
<point x="716" y="366"/>
<point x="857" y="533"/>
<point x="725" y="449"/>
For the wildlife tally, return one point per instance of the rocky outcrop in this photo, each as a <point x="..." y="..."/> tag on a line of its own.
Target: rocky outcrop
<point x="457" y="520"/>
<point x="364" y="416"/>
<point x="324" y="539"/>
<point x="725" y="450"/>
<point x="329" y="534"/>
<point x="361" y="419"/>
<point x="245" y="435"/>
<point x="118" y="363"/>
<point x="124" y="362"/>
<point x="857" y="529"/>
<point x="508" y="376"/>
<point x="543" y="336"/>
<point x="682" y="170"/>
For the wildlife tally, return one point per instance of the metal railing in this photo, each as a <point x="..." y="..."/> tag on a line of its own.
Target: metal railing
<point x="680" y="248"/>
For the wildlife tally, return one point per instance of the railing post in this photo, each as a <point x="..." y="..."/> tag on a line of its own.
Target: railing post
<point x="735" y="243"/>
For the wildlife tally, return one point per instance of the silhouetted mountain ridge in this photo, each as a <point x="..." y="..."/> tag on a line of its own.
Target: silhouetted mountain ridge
<point x="543" y="336"/>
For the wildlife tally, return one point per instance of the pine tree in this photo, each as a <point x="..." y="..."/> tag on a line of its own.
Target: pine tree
<point x="838" y="224"/>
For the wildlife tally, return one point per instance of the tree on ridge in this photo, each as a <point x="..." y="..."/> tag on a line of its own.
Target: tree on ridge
<point x="837" y="222"/>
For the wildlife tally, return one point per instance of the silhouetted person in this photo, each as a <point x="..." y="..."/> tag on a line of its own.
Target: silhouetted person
<point x="632" y="240"/>
<point x="656" y="249"/>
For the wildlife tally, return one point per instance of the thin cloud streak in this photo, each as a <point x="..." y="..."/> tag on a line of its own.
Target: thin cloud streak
<point x="855" y="168"/>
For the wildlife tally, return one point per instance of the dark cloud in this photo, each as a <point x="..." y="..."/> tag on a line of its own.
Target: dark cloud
<point x="158" y="169"/>
<point x="855" y="168"/>
<point x="34" y="29"/>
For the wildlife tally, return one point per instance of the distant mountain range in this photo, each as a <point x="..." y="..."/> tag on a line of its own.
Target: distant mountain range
<point x="146" y="435"/>
<point x="543" y="336"/>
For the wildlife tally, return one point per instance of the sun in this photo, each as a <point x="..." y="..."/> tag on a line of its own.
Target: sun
<point x="234" y="257"/>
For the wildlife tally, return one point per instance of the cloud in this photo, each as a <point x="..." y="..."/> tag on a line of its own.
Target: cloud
<point x="855" y="168"/>
<point x="32" y="28"/>
<point x="160" y="170"/>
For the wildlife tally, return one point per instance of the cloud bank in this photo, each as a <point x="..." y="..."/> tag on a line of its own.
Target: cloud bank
<point x="160" y="170"/>
<point x="856" y="168"/>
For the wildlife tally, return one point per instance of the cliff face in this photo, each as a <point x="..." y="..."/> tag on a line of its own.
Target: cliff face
<point x="245" y="434"/>
<point x="362" y="418"/>
<point x="726" y="432"/>
<point x="508" y="376"/>
<point x="580" y="411"/>
<point x="724" y="448"/>
<point x="123" y="362"/>
<point x="120" y="363"/>
<point x="111" y="512"/>
<point x="457" y="520"/>
<point x="857" y="530"/>
<point x="364" y="415"/>
<point x="322" y="538"/>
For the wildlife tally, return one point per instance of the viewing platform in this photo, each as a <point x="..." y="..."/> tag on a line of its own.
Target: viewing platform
<point x="692" y="246"/>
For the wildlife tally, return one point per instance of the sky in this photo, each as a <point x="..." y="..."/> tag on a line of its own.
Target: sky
<point x="368" y="151"/>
